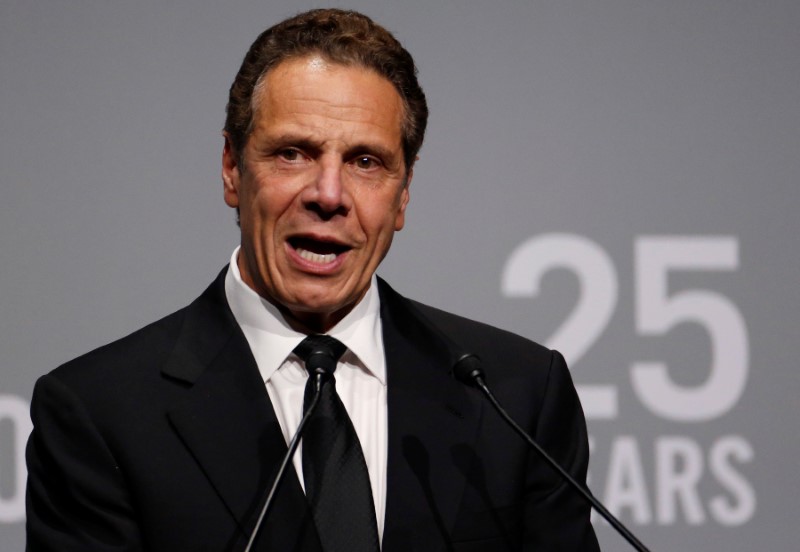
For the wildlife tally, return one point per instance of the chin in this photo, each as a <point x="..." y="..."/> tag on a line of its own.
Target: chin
<point x="320" y="306"/>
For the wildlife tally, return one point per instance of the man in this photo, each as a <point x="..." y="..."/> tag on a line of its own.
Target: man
<point x="169" y="438"/>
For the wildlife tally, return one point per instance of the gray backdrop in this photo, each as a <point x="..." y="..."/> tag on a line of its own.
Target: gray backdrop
<point x="614" y="178"/>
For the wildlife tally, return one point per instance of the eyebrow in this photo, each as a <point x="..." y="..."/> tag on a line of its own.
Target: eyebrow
<point x="304" y="142"/>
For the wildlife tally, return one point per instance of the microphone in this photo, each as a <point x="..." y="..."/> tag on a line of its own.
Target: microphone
<point x="321" y="364"/>
<point x="467" y="370"/>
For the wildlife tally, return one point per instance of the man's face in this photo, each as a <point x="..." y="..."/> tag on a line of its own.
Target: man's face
<point x="321" y="187"/>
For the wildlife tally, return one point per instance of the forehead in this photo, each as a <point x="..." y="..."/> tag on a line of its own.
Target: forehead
<point x="313" y="85"/>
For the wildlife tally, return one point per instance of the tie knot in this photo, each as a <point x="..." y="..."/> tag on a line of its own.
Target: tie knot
<point x="320" y="353"/>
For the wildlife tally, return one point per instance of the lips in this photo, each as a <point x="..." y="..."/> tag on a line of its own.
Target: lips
<point x="317" y="251"/>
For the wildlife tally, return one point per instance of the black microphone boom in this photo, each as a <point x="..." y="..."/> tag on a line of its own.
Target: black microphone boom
<point x="321" y="374"/>
<point x="467" y="370"/>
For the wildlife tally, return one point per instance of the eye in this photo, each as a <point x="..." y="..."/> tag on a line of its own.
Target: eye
<point x="365" y="162"/>
<point x="290" y="155"/>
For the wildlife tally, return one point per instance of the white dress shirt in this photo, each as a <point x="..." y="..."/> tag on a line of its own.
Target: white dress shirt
<point x="360" y="373"/>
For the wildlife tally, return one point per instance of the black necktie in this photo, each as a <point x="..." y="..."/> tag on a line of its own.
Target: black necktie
<point x="334" y="470"/>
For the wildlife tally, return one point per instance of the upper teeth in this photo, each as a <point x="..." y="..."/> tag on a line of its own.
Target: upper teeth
<point x="316" y="257"/>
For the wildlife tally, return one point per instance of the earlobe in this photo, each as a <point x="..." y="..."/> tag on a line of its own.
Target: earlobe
<point x="400" y="218"/>
<point x="230" y="174"/>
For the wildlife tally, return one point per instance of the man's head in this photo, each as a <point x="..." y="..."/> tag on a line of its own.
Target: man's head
<point x="342" y="37"/>
<point x="319" y="150"/>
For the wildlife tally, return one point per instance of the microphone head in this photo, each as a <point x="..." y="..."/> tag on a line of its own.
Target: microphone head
<point x="321" y="360"/>
<point x="467" y="369"/>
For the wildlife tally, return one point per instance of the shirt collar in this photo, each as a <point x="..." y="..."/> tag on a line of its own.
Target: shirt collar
<point x="272" y="339"/>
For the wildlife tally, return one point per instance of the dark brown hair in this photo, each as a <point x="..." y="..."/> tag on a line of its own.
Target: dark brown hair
<point x="345" y="37"/>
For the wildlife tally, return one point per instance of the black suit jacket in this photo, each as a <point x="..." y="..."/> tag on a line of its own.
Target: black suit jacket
<point x="166" y="441"/>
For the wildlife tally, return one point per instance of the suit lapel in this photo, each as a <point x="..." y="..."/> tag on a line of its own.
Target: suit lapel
<point x="229" y="425"/>
<point x="432" y="421"/>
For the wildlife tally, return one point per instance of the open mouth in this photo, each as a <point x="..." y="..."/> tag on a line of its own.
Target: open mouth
<point x="316" y="251"/>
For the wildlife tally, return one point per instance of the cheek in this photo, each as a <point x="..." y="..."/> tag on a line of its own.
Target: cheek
<point x="268" y="205"/>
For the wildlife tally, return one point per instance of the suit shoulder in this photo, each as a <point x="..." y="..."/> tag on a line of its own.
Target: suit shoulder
<point x="485" y="340"/>
<point x="521" y="372"/>
<point x="146" y="346"/>
<point x="490" y="343"/>
<point x="143" y="352"/>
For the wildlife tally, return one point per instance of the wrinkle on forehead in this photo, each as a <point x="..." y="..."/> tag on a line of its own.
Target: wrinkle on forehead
<point x="305" y="100"/>
<point x="317" y="64"/>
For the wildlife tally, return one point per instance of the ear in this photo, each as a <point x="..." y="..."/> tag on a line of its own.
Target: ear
<point x="400" y="217"/>
<point x="230" y="173"/>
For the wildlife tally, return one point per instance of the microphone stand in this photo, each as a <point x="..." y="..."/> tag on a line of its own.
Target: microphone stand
<point x="320" y="378"/>
<point x="467" y="370"/>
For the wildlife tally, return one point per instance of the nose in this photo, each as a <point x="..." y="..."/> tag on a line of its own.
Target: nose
<point x="328" y="194"/>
